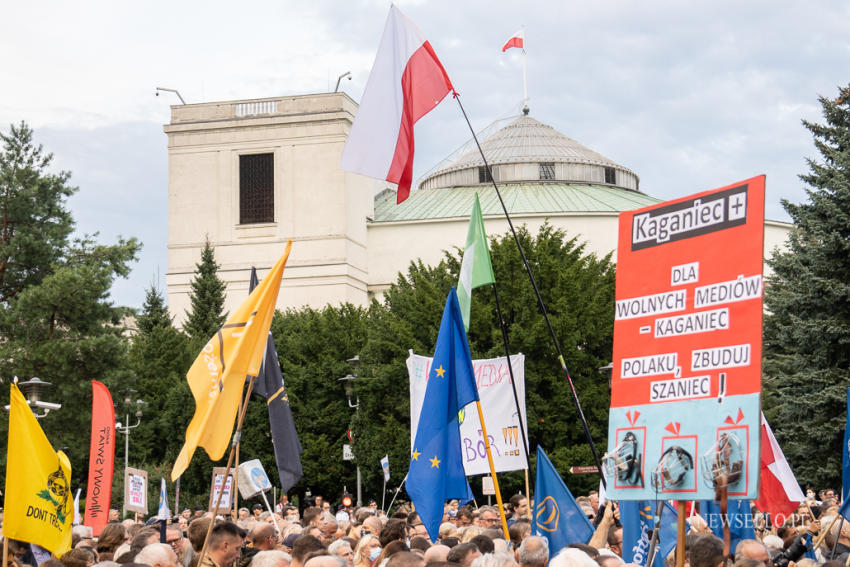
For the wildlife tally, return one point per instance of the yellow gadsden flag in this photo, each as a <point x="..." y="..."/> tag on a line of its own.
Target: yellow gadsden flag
<point x="218" y="374"/>
<point x="39" y="504"/>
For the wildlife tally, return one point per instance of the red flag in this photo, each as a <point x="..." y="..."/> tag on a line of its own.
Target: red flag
<point x="101" y="458"/>
<point x="779" y="493"/>
<point x="407" y="81"/>
<point x="517" y="40"/>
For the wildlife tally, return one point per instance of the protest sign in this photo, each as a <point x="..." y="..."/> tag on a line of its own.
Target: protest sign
<point x="215" y="487"/>
<point x="497" y="403"/>
<point x="136" y="490"/>
<point x="687" y="346"/>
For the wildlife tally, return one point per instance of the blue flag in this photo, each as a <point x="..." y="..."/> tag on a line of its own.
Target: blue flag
<point x="163" y="512"/>
<point x="638" y="517"/>
<point x="557" y="516"/>
<point x="845" y="455"/>
<point x="436" y="463"/>
<point x="738" y="516"/>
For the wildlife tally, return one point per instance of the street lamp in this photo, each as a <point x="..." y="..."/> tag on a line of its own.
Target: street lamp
<point x="32" y="391"/>
<point x="348" y="382"/>
<point x="125" y="429"/>
<point x="606" y="371"/>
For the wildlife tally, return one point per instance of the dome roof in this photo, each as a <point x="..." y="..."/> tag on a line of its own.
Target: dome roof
<point x="528" y="150"/>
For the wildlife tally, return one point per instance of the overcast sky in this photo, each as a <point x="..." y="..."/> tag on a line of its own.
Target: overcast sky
<point x="689" y="95"/>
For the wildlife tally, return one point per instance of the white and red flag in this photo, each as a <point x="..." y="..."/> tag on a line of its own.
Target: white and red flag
<point x="407" y="81"/>
<point x="779" y="493"/>
<point x="517" y="40"/>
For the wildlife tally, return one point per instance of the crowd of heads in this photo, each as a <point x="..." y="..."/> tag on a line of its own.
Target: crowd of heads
<point x="468" y="536"/>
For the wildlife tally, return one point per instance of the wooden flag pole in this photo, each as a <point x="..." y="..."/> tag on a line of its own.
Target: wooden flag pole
<point x="824" y="531"/>
<point x="233" y="446"/>
<point x="680" y="535"/>
<point x="234" y="514"/>
<point x="493" y="472"/>
<point x="5" y="551"/>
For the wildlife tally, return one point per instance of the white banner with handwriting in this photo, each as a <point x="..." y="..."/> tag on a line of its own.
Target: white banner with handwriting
<point x="497" y="404"/>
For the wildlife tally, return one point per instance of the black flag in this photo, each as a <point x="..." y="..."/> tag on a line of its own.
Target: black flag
<point x="269" y="385"/>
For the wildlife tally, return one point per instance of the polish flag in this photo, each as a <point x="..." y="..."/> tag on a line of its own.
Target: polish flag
<point x="407" y="81"/>
<point x="779" y="493"/>
<point x="516" y="40"/>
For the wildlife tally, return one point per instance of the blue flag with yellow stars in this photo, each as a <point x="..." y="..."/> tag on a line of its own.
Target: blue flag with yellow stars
<point x="436" y="463"/>
<point x="557" y="516"/>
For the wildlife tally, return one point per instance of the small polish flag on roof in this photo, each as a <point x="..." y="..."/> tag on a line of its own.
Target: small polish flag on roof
<point x="407" y="81"/>
<point x="516" y="40"/>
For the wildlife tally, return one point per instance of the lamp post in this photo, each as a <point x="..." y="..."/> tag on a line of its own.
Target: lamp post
<point x="32" y="390"/>
<point x="125" y="429"/>
<point x="348" y="382"/>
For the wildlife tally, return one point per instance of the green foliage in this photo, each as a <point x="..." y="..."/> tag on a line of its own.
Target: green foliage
<point x="56" y="321"/>
<point x="206" y="315"/>
<point x="807" y="330"/>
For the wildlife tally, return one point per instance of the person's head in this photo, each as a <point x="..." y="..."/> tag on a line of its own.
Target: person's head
<point x="488" y="517"/>
<point x="111" y="537"/>
<point x="436" y="553"/>
<point x="608" y="559"/>
<point x="406" y="559"/>
<point x="463" y="554"/>
<point x="593" y="499"/>
<point x="186" y="513"/>
<point x="197" y="533"/>
<point x="463" y="517"/>
<point x="225" y="543"/>
<point x="572" y="557"/>
<point x="394" y="530"/>
<point x="322" y="559"/>
<point x="483" y="543"/>
<point x="415" y="527"/>
<point x="72" y="558"/>
<point x="256" y="510"/>
<point x="706" y="551"/>
<point x="304" y="546"/>
<point x="264" y="536"/>
<point x="533" y="552"/>
<point x="373" y="525"/>
<point x="367" y="550"/>
<point x="143" y="537"/>
<point x="114" y="515"/>
<point x="271" y="558"/>
<point x="751" y="549"/>
<point x="157" y="555"/>
<point x="313" y="517"/>
<point x="519" y="504"/>
<point x="341" y="548"/>
<point x="615" y="540"/>
<point x="497" y="559"/>
<point x="244" y="513"/>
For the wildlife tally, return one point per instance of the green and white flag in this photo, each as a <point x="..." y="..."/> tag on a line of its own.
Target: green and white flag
<point x="476" y="269"/>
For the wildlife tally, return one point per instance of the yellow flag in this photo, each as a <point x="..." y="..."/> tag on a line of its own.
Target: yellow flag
<point x="39" y="505"/>
<point x="218" y="374"/>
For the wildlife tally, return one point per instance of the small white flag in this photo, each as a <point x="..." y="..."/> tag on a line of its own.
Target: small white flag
<point x="164" y="512"/>
<point x="385" y="464"/>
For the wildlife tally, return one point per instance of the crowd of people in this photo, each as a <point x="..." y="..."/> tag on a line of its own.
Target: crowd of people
<point x="468" y="536"/>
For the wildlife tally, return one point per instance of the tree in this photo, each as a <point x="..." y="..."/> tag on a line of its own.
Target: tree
<point x="807" y="328"/>
<point x="206" y="315"/>
<point x="35" y="224"/>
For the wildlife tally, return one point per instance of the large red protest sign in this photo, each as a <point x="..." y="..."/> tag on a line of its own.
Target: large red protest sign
<point x="686" y="374"/>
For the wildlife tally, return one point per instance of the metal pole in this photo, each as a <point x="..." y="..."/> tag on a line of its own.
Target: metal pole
<point x="359" y="492"/>
<point x="126" y="453"/>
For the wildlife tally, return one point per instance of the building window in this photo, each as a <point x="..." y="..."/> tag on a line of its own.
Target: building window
<point x="610" y="176"/>
<point x="547" y="171"/>
<point x="256" y="188"/>
<point x="484" y="175"/>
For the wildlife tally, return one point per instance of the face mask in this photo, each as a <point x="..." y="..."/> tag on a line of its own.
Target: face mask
<point x="374" y="553"/>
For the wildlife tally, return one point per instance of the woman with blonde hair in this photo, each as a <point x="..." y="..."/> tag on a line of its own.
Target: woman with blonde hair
<point x="367" y="551"/>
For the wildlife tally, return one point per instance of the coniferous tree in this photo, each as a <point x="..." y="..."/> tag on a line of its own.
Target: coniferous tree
<point x="206" y="315"/>
<point x="807" y="330"/>
<point x="154" y="312"/>
<point x="56" y="320"/>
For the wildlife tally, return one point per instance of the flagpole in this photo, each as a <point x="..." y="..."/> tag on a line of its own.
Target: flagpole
<point x="540" y="302"/>
<point x="524" y="81"/>
<point x="396" y="494"/>
<point x="493" y="471"/>
<point x="235" y="512"/>
<point x="5" y="551"/>
<point x="680" y="534"/>
<point x="504" y="329"/>
<point x="234" y="444"/>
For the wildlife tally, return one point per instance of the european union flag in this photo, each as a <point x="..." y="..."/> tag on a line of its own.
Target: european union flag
<point x="436" y="463"/>
<point x="557" y="516"/>
<point x="668" y="533"/>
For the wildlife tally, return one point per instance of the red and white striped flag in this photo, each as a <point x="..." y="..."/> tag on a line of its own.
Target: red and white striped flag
<point x="517" y="40"/>
<point x="779" y="493"/>
<point x="407" y="81"/>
